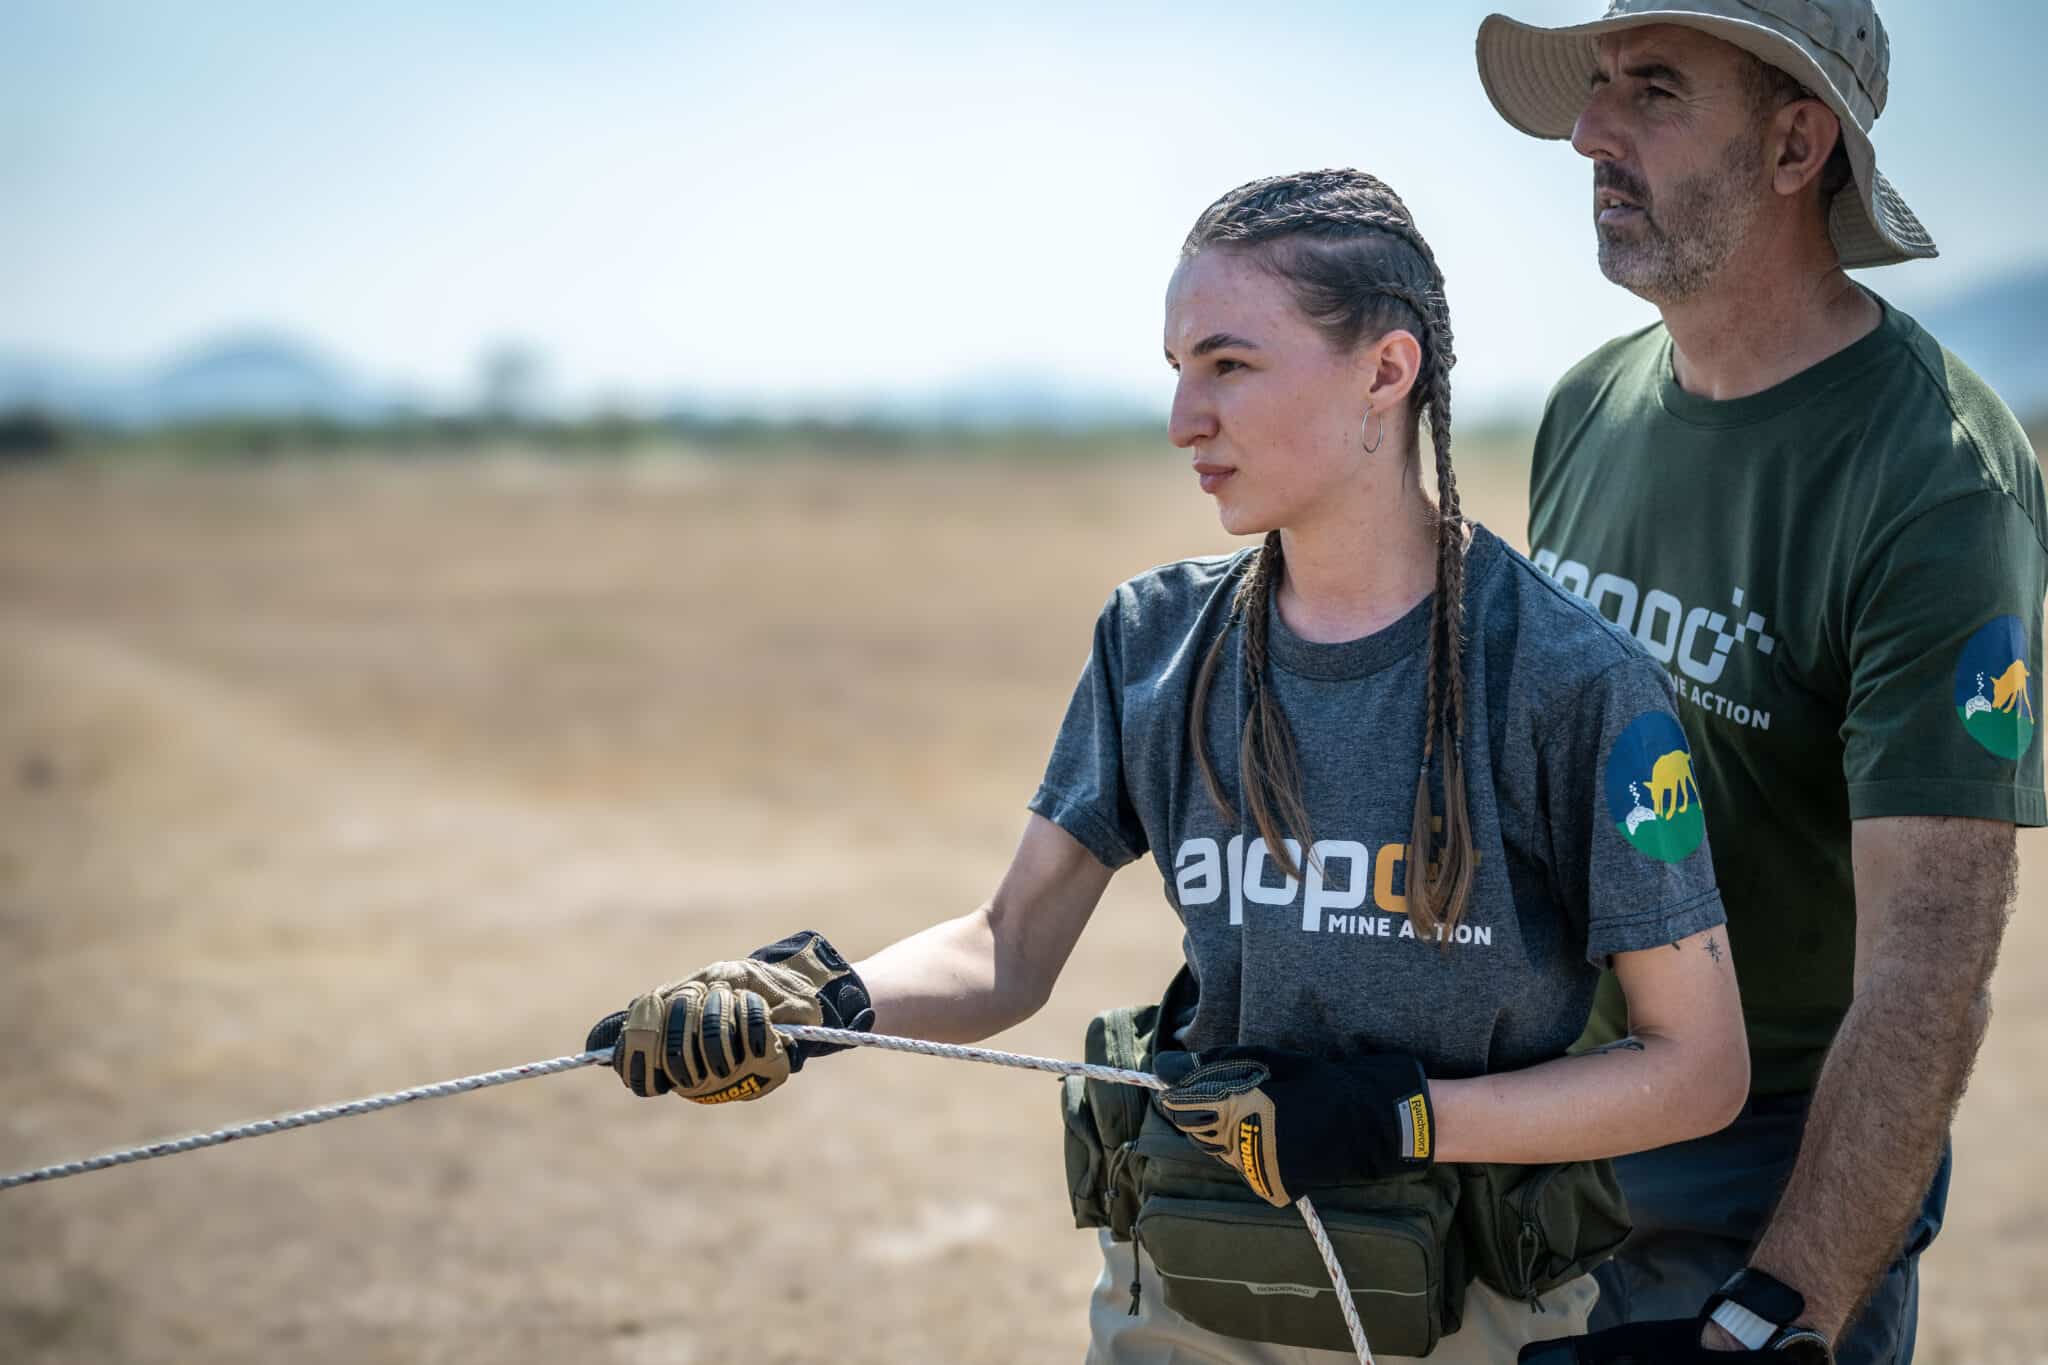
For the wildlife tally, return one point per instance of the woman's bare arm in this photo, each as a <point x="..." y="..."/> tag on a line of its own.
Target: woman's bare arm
<point x="1683" y="1071"/>
<point x="964" y="979"/>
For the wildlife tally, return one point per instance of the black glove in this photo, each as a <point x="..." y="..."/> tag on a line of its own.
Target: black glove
<point x="1675" y="1341"/>
<point x="1289" y="1121"/>
<point x="711" y="1035"/>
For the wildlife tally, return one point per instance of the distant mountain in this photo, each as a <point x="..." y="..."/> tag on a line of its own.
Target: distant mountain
<point x="252" y="374"/>
<point x="2000" y="330"/>
<point x="986" y="401"/>
<point x="256" y="375"/>
<point x="1018" y="398"/>
<point x="56" y="386"/>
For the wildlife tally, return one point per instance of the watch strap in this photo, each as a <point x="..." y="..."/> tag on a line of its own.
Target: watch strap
<point x="1752" y="1331"/>
<point x="1754" y="1307"/>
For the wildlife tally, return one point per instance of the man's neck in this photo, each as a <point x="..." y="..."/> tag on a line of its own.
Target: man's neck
<point x="1755" y="329"/>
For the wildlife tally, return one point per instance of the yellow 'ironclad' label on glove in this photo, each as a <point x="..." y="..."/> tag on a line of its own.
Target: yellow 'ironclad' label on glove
<point x="747" y="1089"/>
<point x="1251" y="1155"/>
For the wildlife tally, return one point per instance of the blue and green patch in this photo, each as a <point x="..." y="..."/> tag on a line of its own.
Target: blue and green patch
<point x="1995" y="690"/>
<point x="1651" y="795"/>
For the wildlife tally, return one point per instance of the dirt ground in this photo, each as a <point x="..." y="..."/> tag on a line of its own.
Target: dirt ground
<point x="318" y="780"/>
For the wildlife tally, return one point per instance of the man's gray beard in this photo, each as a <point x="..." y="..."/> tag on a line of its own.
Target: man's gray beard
<point x="1699" y="225"/>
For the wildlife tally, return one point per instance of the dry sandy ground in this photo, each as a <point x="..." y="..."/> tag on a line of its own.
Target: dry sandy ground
<point x="320" y="781"/>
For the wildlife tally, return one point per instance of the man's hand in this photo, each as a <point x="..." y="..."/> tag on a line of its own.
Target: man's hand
<point x="1673" y="1342"/>
<point x="711" y="1037"/>
<point x="1288" y="1121"/>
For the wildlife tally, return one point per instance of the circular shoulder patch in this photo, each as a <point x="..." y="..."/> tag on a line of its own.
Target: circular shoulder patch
<point x="1994" y="688"/>
<point x="1651" y="795"/>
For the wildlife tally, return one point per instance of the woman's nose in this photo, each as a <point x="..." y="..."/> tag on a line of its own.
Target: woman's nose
<point x="1192" y="418"/>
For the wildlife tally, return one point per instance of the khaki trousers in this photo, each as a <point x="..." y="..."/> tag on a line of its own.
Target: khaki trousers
<point x="1495" y="1328"/>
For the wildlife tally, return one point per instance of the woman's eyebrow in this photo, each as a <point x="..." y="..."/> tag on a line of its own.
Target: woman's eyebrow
<point x="1217" y="341"/>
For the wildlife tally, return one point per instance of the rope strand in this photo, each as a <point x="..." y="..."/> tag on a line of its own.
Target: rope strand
<point x="801" y="1032"/>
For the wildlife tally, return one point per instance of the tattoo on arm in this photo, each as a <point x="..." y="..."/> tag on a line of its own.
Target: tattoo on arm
<point x="1714" y="949"/>
<point x="1618" y="1045"/>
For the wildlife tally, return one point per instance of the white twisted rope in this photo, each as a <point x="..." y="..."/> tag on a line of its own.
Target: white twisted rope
<point x="803" y="1032"/>
<point x="1115" y="1075"/>
<point x="1345" y="1305"/>
<point x="306" y="1118"/>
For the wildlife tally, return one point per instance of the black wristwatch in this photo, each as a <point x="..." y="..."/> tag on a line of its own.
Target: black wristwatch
<point x="1757" y="1311"/>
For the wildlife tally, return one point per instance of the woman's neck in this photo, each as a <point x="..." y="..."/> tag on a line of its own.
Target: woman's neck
<point x="1359" y="569"/>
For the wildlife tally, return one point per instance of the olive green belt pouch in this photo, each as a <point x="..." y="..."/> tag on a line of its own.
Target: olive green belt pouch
<point x="1233" y="1264"/>
<point x="1102" y="1119"/>
<point x="1529" y="1229"/>
<point x="1229" y="1261"/>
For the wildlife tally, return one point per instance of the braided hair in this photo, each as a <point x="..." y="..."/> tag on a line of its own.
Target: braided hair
<point x="1349" y="252"/>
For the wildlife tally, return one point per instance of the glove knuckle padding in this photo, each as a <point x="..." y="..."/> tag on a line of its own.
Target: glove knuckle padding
<point x="712" y="1022"/>
<point x="758" y="1030"/>
<point x="712" y="1036"/>
<point x="639" y="1041"/>
<point x="719" y="1043"/>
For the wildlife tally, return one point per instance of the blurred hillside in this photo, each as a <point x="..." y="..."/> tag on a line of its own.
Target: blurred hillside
<point x="2000" y="329"/>
<point x="270" y="392"/>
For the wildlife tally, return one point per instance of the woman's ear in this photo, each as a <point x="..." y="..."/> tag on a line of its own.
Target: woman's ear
<point x="1392" y="364"/>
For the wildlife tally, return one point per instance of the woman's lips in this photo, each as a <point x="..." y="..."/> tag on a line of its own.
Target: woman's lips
<point x="1212" y="475"/>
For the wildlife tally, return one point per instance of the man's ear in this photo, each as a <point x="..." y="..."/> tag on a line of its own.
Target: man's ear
<point x="1804" y="134"/>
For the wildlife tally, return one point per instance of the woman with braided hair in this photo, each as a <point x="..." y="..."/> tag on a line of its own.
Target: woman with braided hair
<point x="1389" y="773"/>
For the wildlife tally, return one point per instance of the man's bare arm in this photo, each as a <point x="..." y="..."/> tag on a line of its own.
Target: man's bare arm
<point x="1932" y="898"/>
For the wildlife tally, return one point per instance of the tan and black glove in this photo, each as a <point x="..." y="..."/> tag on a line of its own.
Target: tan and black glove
<point x="1288" y="1121"/>
<point x="711" y="1038"/>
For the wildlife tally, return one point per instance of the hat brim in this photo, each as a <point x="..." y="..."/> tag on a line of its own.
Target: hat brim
<point x="1539" y="80"/>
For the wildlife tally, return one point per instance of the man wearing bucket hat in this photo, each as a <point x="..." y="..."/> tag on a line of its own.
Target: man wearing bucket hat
<point x="1831" y="533"/>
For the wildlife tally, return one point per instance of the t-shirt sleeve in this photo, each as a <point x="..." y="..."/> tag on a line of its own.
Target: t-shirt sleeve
<point x="1944" y="650"/>
<point x="1627" y="819"/>
<point x="1084" y="791"/>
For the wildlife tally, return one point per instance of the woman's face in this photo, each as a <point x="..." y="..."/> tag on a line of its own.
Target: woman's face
<point x="1270" y="412"/>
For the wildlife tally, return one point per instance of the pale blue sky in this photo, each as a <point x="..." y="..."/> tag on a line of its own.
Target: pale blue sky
<point x="800" y="199"/>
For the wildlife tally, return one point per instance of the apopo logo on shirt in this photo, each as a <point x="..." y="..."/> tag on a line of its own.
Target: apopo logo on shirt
<point x="1651" y="794"/>
<point x="1994" y="689"/>
<point x="1332" y="890"/>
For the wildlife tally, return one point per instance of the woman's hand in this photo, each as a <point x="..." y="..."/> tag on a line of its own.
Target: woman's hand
<point x="711" y="1037"/>
<point x="1289" y="1121"/>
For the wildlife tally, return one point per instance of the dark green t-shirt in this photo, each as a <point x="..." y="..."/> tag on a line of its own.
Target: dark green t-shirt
<point x="1844" y="576"/>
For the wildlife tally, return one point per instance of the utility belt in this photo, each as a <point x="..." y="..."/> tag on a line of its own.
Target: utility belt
<point x="1234" y="1264"/>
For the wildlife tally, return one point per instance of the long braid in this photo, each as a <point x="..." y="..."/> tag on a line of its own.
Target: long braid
<point x="1267" y="745"/>
<point x="1358" y="267"/>
<point x="1439" y="888"/>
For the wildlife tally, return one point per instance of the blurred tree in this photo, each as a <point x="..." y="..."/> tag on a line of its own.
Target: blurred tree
<point x="28" y="434"/>
<point x="509" y="380"/>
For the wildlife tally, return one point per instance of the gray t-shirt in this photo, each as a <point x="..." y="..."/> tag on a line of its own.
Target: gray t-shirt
<point x="1584" y="811"/>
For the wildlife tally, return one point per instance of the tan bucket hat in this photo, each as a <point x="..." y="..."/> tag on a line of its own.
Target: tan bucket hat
<point x="1538" y="77"/>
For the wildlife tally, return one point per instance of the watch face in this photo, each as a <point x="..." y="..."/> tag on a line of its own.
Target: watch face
<point x="1806" y="1348"/>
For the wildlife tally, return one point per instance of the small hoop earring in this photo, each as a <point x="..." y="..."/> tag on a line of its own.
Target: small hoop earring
<point x="1378" y="436"/>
